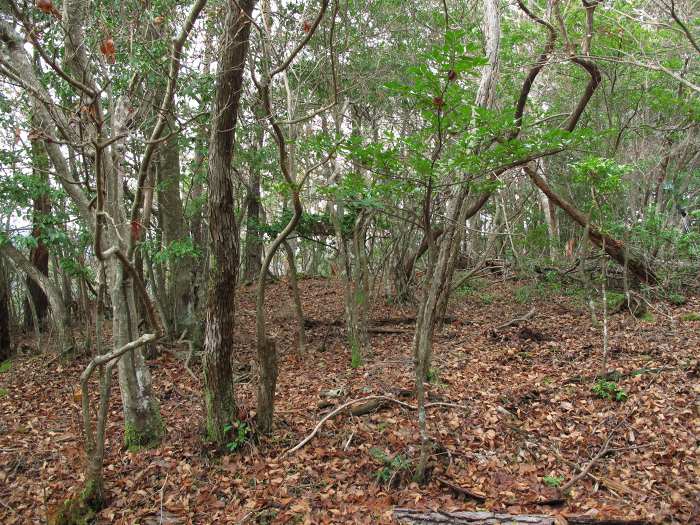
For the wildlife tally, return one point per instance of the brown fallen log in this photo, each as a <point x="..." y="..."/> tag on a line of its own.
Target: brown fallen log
<point x="432" y="517"/>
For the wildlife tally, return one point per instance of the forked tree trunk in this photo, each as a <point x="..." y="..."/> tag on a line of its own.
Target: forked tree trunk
<point x="439" y="280"/>
<point x="218" y="338"/>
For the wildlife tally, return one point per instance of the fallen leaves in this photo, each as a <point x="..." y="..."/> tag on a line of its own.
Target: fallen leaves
<point x="531" y="415"/>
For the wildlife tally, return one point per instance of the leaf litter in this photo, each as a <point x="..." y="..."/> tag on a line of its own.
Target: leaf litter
<point x="533" y="422"/>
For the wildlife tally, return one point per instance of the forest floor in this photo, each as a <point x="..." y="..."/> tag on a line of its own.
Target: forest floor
<point x="531" y="421"/>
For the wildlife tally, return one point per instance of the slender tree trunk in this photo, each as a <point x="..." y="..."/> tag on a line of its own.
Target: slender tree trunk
<point x="5" y="332"/>
<point x="294" y="285"/>
<point x="39" y="254"/>
<point x="58" y="309"/>
<point x="218" y="340"/>
<point x="252" y="259"/>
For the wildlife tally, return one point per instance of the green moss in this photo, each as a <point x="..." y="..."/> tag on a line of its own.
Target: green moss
<point x="81" y="510"/>
<point x="150" y="437"/>
<point x="5" y="366"/>
<point x="355" y="354"/>
<point x="646" y="316"/>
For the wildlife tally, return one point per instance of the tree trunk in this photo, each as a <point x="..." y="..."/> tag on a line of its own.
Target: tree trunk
<point x="5" y="333"/>
<point x="294" y="285"/>
<point x="252" y="259"/>
<point x="430" y="517"/>
<point x="39" y="254"/>
<point x="60" y="314"/>
<point x="179" y="267"/>
<point x="218" y="339"/>
<point x="614" y="248"/>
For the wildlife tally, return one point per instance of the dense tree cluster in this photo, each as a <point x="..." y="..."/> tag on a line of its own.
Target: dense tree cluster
<point x="157" y="154"/>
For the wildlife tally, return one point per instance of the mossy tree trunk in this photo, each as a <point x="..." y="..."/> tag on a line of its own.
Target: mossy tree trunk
<point x="218" y="338"/>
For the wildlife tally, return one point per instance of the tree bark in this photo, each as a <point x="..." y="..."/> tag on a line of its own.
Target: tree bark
<point x="430" y="517"/>
<point x="179" y="268"/>
<point x="45" y="284"/>
<point x="39" y="254"/>
<point x="5" y="333"/>
<point x="218" y="338"/>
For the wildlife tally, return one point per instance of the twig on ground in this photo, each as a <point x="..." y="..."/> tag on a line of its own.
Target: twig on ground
<point x="354" y="402"/>
<point x="162" y="491"/>
<point x="515" y="321"/>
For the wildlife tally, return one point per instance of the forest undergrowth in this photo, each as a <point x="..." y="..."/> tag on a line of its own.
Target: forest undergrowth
<point x="526" y="426"/>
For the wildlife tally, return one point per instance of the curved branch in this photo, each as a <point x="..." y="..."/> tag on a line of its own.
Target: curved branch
<point x="152" y="143"/>
<point x="312" y="29"/>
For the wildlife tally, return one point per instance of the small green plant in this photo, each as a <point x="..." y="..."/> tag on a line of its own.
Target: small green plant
<point x="646" y="316"/>
<point x="433" y="376"/>
<point x="524" y="294"/>
<point x="391" y="465"/>
<point x="692" y="316"/>
<point x="676" y="298"/>
<point x="5" y="366"/>
<point x="486" y="298"/>
<point x="470" y="287"/>
<point x="609" y="390"/>
<point x="3" y="392"/>
<point x="240" y="433"/>
<point x="553" y="481"/>
<point x="615" y="300"/>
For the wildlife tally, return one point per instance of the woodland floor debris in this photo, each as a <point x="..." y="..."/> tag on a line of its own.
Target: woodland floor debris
<point x="530" y="430"/>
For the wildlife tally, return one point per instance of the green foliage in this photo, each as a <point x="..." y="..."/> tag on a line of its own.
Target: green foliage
<point x="609" y="390"/>
<point x="605" y="175"/>
<point x="470" y="287"/>
<point x="355" y="354"/>
<point x="553" y="481"/>
<point x="615" y="300"/>
<point x="676" y="298"/>
<point x="240" y="434"/>
<point x="692" y="316"/>
<point x="433" y="375"/>
<point x="5" y="366"/>
<point x="3" y="392"/>
<point x="391" y="466"/>
<point x="175" y="251"/>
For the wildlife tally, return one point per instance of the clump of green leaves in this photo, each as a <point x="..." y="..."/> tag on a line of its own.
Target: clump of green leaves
<point x="692" y="316"/>
<point x="433" y="376"/>
<point x="240" y="434"/>
<point x="676" y="298"/>
<point x="3" y="392"/>
<point x="609" y="390"/>
<point x="5" y="366"/>
<point x="470" y="287"/>
<point x="553" y="481"/>
<point x="391" y="466"/>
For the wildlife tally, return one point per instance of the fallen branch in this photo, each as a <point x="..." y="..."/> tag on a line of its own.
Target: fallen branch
<point x="462" y="491"/>
<point x="584" y="471"/>
<point x="354" y="402"/>
<point x="432" y="517"/>
<point x="515" y="321"/>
